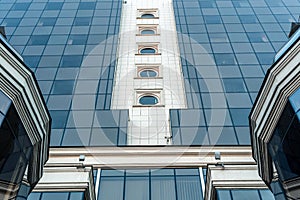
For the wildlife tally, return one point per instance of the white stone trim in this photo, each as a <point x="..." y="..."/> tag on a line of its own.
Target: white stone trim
<point x="164" y="156"/>
<point x="153" y="11"/>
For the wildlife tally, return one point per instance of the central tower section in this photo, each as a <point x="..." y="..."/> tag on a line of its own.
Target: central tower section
<point x="148" y="76"/>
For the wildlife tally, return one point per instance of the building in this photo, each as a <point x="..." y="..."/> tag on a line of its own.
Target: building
<point x="275" y="141"/>
<point x="25" y="125"/>
<point x="149" y="99"/>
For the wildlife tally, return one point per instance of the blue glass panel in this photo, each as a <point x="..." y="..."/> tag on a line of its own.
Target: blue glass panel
<point x="223" y="195"/>
<point x="111" y="188"/>
<point x="148" y="51"/>
<point x="245" y="194"/>
<point x="55" y="195"/>
<point x="163" y="188"/>
<point x="188" y="187"/>
<point x="20" y="6"/>
<point x="148" y="100"/>
<point x="137" y="188"/>
<point x="53" y="6"/>
<point x="160" y="184"/>
<point x="87" y="5"/>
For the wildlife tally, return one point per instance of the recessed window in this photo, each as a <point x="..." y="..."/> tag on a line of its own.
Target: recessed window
<point x="147" y="16"/>
<point x="147" y="32"/>
<point x="147" y="51"/>
<point x="150" y="97"/>
<point x="148" y="100"/>
<point x="147" y="29"/>
<point x="148" y="73"/>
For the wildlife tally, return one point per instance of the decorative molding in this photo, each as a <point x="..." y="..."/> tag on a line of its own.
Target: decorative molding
<point x="149" y="157"/>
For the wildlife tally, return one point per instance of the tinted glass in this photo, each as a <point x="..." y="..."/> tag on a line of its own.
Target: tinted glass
<point x="147" y="51"/>
<point x="155" y="184"/>
<point x="148" y="100"/>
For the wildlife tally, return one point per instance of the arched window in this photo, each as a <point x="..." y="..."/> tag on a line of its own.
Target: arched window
<point x="147" y="51"/>
<point x="147" y="32"/>
<point x="147" y="73"/>
<point x="148" y="100"/>
<point x="147" y="16"/>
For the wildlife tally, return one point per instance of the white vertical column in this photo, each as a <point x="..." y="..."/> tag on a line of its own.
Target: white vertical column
<point x="149" y="125"/>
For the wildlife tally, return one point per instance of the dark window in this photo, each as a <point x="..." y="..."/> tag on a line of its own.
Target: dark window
<point x="59" y="118"/>
<point x="234" y="85"/>
<point x="148" y="51"/>
<point x="56" y="195"/>
<point x="147" y="16"/>
<point x="20" y="6"/>
<point x="38" y="40"/>
<point x="63" y="87"/>
<point x="87" y="5"/>
<point x="155" y="184"/>
<point x="247" y="194"/>
<point x="54" y="6"/>
<point x="11" y="22"/>
<point x="71" y="61"/>
<point x="148" y="100"/>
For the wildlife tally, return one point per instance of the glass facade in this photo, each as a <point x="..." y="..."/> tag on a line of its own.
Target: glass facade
<point x="283" y="146"/>
<point x="166" y="184"/>
<point x="247" y="194"/>
<point x="16" y="149"/>
<point x="226" y="48"/>
<point x="56" y="195"/>
<point x="71" y="46"/>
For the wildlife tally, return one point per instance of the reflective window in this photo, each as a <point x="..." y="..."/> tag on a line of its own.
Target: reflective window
<point x="38" y="40"/>
<point x="87" y="5"/>
<point x="247" y="194"/>
<point x="147" y="73"/>
<point x="147" y="51"/>
<point x="147" y="16"/>
<point x="155" y="184"/>
<point x="54" y="6"/>
<point x="21" y="6"/>
<point x="147" y="32"/>
<point x="62" y="42"/>
<point x="56" y="195"/>
<point x="148" y="100"/>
